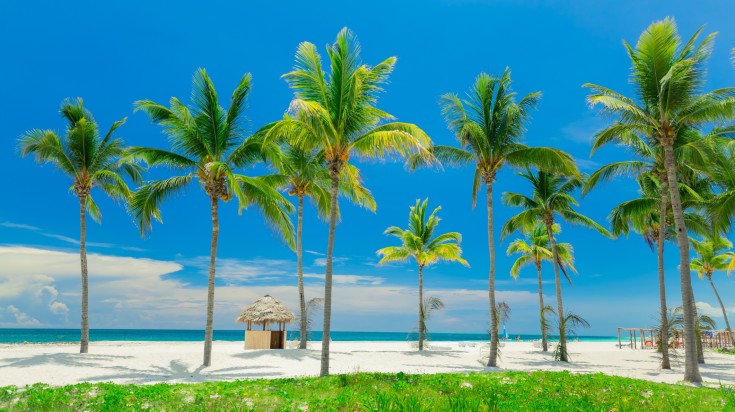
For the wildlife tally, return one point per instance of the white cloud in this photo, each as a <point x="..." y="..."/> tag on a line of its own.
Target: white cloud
<point x="22" y="318"/>
<point x="236" y="271"/>
<point x="19" y="261"/>
<point x="75" y="241"/>
<point x="314" y="252"/>
<point x="66" y="239"/>
<point x="704" y="308"/>
<point x="18" y="226"/>
<point x="348" y="279"/>
<point x="59" y="308"/>
<point x="322" y="262"/>
<point x="128" y="292"/>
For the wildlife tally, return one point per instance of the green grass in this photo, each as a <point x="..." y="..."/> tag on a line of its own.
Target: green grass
<point x="514" y="391"/>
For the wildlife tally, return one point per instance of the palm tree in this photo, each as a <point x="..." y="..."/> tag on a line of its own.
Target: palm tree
<point x="207" y="144"/>
<point x="335" y="113"/>
<point x="308" y="176"/>
<point x="430" y="305"/>
<point x="502" y="311"/>
<point x="642" y="215"/>
<point x="489" y="126"/>
<point x="90" y="160"/>
<point x="566" y="326"/>
<point x="668" y="77"/>
<point x="694" y="153"/>
<point x="310" y="307"/>
<point x="535" y="250"/>
<point x="710" y="259"/>
<point x="551" y="196"/>
<point x="701" y="324"/>
<point x="420" y="243"/>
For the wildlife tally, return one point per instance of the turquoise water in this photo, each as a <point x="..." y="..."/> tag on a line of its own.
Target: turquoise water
<point x="170" y="335"/>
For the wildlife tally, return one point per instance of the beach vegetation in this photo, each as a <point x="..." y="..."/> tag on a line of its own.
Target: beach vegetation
<point x="430" y="305"/>
<point x="420" y="243"/>
<point x="517" y="391"/>
<point x="566" y="327"/>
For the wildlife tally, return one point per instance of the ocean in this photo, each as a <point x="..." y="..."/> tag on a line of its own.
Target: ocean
<point x="173" y="335"/>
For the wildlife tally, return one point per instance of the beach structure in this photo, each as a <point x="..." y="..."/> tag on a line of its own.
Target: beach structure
<point x="266" y="312"/>
<point x="720" y="339"/>
<point x="646" y="338"/>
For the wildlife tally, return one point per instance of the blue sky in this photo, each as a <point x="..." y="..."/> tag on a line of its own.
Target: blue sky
<point x="112" y="54"/>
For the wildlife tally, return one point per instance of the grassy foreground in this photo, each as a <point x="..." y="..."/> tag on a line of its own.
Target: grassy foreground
<point x="516" y="391"/>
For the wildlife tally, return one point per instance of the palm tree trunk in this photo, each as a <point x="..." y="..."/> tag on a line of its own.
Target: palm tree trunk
<point x="544" y="340"/>
<point x="210" y="286"/>
<point x="328" y="273"/>
<point x="698" y="337"/>
<point x="493" y="358"/>
<point x="300" y="274"/>
<point x="422" y="310"/>
<point x="724" y="313"/>
<point x="664" y="332"/>
<point x="84" y="347"/>
<point x="691" y="367"/>
<point x="560" y="307"/>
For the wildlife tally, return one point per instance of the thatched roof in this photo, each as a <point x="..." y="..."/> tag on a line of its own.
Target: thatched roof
<point x="266" y="310"/>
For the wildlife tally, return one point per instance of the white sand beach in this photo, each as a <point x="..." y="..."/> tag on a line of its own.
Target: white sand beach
<point x="152" y="362"/>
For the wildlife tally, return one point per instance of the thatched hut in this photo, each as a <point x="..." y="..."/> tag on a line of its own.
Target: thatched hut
<point x="265" y="312"/>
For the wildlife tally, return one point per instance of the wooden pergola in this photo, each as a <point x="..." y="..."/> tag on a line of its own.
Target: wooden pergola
<point x="648" y="337"/>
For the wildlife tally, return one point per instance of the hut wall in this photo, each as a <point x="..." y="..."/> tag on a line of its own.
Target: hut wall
<point x="258" y="339"/>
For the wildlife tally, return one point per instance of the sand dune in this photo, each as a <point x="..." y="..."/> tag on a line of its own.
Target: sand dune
<point x="152" y="362"/>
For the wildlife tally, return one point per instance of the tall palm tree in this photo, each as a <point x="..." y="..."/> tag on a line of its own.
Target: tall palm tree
<point x="489" y="126"/>
<point x="709" y="260"/>
<point x="90" y="160"/>
<point x="535" y="250"/>
<point x="207" y="144"/>
<point x="551" y="196"/>
<point x="694" y="154"/>
<point x="643" y="216"/>
<point x="668" y="77"/>
<point x="420" y="243"/>
<point x="335" y="113"/>
<point x="307" y="176"/>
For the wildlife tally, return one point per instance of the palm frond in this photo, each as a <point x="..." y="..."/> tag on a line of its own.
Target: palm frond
<point x="146" y="201"/>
